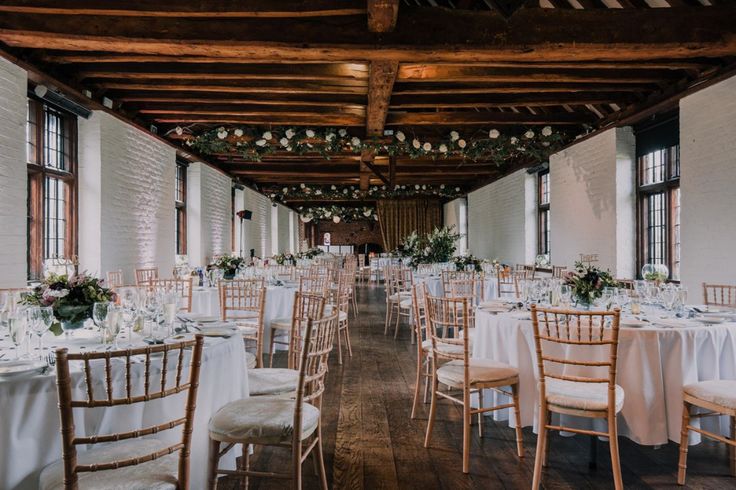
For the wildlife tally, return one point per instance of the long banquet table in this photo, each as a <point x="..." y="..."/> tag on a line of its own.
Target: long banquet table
<point x="654" y="363"/>
<point x="29" y="417"/>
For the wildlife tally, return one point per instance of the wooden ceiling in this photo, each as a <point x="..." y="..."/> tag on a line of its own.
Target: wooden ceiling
<point x="424" y="66"/>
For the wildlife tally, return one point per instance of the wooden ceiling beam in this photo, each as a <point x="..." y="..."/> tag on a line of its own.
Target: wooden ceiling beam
<point x="251" y="88"/>
<point x="420" y="36"/>
<point x="176" y="97"/>
<point x="189" y="8"/>
<point x="518" y="87"/>
<point x="229" y="110"/>
<point x="382" y="15"/>
<point x="218" y="72"/>
<point x="266" y="120"/>
<point x="380" y="85"/>
<point x="482" y="117"/>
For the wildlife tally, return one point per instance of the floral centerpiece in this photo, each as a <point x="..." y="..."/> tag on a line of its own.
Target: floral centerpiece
<point x="408" y="246"/>
<point x="436" y="247"/>
<point x="311" y="253"/>
<point x="229" y="264"/>
<point x="71" y="297"/>
<point x="588" y="282"/>
<point x="284" y="259"/>
<point x="462" y="262"/>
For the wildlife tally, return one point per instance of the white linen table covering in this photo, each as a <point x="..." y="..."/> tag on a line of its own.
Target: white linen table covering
<point x="654" y="364"/>
<point x="436" y="288"/>
<point x="279" y="304"/>
<point x="29" y="416"/>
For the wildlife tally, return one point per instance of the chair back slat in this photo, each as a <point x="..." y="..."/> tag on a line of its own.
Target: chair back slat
<point x="67" y="404"/>
<point x="448" y="276"/>
<point x="418" y="303"/>
<point x="307" y="306"/>
<point x="315" y="284"/>
<point x="145" y="274"/>
<point x="558" y="271"/>
<point x="182" y="288"/>
<point x="447" y="320"/>
<point x="115" y="279"/>
<point x="719" y="295"/>
<point x="507" y="283"/>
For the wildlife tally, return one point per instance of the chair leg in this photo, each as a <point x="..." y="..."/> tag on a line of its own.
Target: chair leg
<point x="245" y="466"/>
<point x="427" y="377"/>
<point x="684" y="431"/>
<point x="339" y="346"/>
<point x="320" y="459"/>
<point x="212" y="461"/>
<point x="296" y="461"/>
<point x="613" y="444"/>
<point x="347" y="340"/>
<point x="732" y="448"/>
<point x="517" y="415"/>
<point x="270" y="349"/>
<point x="398" y="320"/>
<point x="480" y="414"/>
<point x="466" y="430"/>
<point x="541" y="444"/>
<point x="545" y="457"/>
<point x="418" y="383"/>
<point x="432" y="410"/>
<point x="389" y="316"/>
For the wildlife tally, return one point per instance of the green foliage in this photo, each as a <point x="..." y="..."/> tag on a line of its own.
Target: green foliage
<point x="229" y="263"/>
<point x="462" y="261"/>
<point x="438" y="246"/>
<point x="588" y="281"/>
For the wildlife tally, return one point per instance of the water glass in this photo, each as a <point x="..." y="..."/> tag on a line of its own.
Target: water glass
<point x="37" y="325"/>
<point x="100" y="312"/>
<point x="114" y="323"/>
<point x="18" y="323"/>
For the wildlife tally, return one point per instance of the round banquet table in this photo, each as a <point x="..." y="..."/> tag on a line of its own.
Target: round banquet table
<point x="654" y="363"/>
<point x="29" y="416"/>
<point x="436" y="288"/>
<point x="279" y="304"/>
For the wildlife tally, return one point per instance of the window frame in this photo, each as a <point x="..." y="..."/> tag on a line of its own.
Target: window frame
<point x="543" y="215"/>
<point x="181" y="207"/>
<point x="38" y="173"/>
<point x="669" y="187"/>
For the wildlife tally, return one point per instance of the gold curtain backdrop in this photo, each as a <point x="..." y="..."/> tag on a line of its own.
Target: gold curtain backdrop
<point x="400" y="217"/>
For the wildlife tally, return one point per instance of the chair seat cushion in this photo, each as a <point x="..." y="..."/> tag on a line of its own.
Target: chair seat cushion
<point x="480" y="371"/>
<point x="247" y="329"/>
<point x="581" y="396"/>
<point x="400" y="296"/>
<point x="342" y="316"/>
<point x="443" y="348"/>
<point x="272" y="381"/>
<point x="250" y="360"/>
<point x="159" y="474"/>
<point x="261" y="420"/>
<point x="281" y="323"/>
<point x="721" y="392"/>
<point x="405" y="303"/>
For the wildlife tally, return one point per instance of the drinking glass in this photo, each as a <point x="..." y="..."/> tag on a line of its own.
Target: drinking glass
<point x="566" y="295"/>
<point x="128" y="316"/>
<point x="608" y="297"/>
<point x="37" y="325"/>
<point x="99" y="317"/>
<point x="6" y="306"/>
<point x="18" y="323"/>
<point x="114" y="323"/>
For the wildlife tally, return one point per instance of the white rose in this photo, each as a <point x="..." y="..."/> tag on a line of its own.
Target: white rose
<point x="333" y="187"/>
<point x="416" y="186"/>
<point x="367" y="213"/>
<point x="328" y="214"/>
<point x="355" y="141"/>
<point x="443" y="148"/>
<point x="285" y="190"/>
<point x="336" y="219"/>
<point x="318" y="192"/>
<point x="310" y="133"/>
<point x="330" y="137"/>
<point x="179" y="130"/>
<point x="454" y="135"/>
<point x="302" y="186"/>
<point x="238" y="132"/>
<point x="222" y="134"/>
<point x="442" y="186"/>
<point x="457" y="189"/>
<point x="290" y="133"/>
<point x="427" y="146"/>
<point x="493" y="134"/>
<point x="514" y="140"/>
<point x="416" y="144"/>
<point x="546" y="131"/>
<point x="461" y="143"/>
<point x="267" y="135"/>
<point x="545" y="143"/>
<point x="284" y="142"/>
<point x="529" y="134"/>
<point x="400" y="136"/>
<point x="342" y="132"/>
<point x="261" y="143"/>
<point x="344" y="191"/>
<point x="383" y="187"/>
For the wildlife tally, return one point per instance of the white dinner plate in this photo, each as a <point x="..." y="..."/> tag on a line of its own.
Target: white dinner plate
<point x="711" y="320"/>
<point x="207" y="319"/>
<point x="11" y="369"/>
<point x="633" y="323"/>
<point x="219" y="332"/>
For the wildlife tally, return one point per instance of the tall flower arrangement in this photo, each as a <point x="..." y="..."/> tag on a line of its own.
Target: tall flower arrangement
<point x="588" y="282"/>
<point x="437" y="246"/>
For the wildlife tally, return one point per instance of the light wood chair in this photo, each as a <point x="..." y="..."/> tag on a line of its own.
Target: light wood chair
<point x="507" y="284"/>
<point x="145" y="275"/>
<point x="717" y="398"/>
<point x="126" y="459"/>
<point x="182" y="287"/>
<point x="559" y="271"/>
<point x="625" y="284"/>
<point x="245" y="302"/>
<point x="315" y="284"/>
<point x="115" y="279"/>
<point x="398" y="290"/>
<point x="424" y="345"/>
<point x="570" y="378"/>
<point x="472" y="289"/>
<point x="279" y="421"/>
<point x="448" y="276"/>
<point x="306" y="305"/>
<point x="343" y="296"/>
<point x="452" y="366"/>
<point x="719" y="295"/>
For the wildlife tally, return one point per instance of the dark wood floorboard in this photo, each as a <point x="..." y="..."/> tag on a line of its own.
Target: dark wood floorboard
<point x="370" y="441"/>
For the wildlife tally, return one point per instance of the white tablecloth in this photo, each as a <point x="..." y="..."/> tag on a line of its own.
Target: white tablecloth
<point x="29" y="417"/>
<point x="279" y="304"/>
<point x="436" y="288"/>
<point x="653" y="366"/>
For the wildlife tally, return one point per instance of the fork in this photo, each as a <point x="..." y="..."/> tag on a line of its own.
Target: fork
<point x="51" y="360"/>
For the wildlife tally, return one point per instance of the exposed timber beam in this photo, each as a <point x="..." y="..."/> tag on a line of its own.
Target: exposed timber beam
<point x="380" y="85"/>
<point x="484" y="117"/>
<point x="382" y="15"/>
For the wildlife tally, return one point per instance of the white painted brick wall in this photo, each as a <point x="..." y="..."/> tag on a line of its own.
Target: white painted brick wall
<point x="584" y="200"/>
<point x="136" y="195"/>
<point x="13" y="175"/>
<point x="499" y="223"/>
<point x="708" y="176"/>
<point x="258" y="230"/>
<point x="451" y="217"/>
<point x="216" y="212"/>
<point x="283" y="229"/>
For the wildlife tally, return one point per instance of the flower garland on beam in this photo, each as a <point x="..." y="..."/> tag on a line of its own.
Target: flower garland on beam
<point x="305" y="192"/>
<point x="337" y="213"/>
<point x="491" y="146"/>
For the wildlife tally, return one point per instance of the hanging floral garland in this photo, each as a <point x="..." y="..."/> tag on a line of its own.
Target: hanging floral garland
<point x="304" y="192"/>
<point x="337" y="213"/>
<point x="492" y="146"/>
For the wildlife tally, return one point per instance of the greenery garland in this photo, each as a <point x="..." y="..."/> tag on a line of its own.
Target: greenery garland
<point x="337" y="213"/>
<point x="304" y="192"/>
<point x="491" y="146"/>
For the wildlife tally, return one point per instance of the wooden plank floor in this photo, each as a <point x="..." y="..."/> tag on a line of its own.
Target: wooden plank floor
<point x="370" y="441"/>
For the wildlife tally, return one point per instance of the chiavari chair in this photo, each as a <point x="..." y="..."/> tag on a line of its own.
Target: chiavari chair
<point x="145" y="275"/>
<point x="448" y="276"/>
<point x="283" y="272"/>
<point x="343" y="291"/>
<point x="398" y="296"/>
<point x="115" y="279"/>
<point x="625" y="284"/>
<point x="716" y="398"/>
<point x="573" y="380"/>
<point x="293" y="423"/>
<point x="529" y="271"/>
<point x="472" y="289"/>
<point x="558" y="271"/>
<point x="452" y="366"/>
<point x="316" y="284"/>
<point x="126" y="459"/>
<point x="507" y="284"/>
<point x="244" y="302"/>
<point x="424" y="345"/>
<point x="182" y="288"/>
<point x="306" y="305"/>
<point x="719" y="295"/>
<point x="374" y="270"/>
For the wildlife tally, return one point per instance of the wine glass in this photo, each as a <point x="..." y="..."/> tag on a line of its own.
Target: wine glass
<point x="114" y="322"/>
<point x="99" y="317"/>
<point x="566" y="294"/>
<point x="6" y="306"/>
<point x="37" y="325"/>
<point x="128" y="315"/>
<point x="18" y="323"/>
